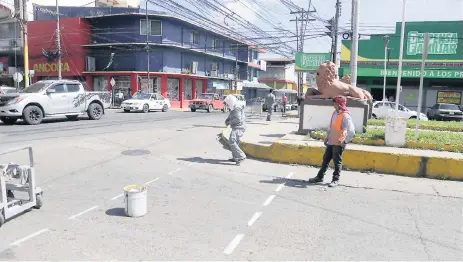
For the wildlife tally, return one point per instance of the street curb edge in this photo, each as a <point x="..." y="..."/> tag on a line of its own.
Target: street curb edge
<point x="360" y="160"/>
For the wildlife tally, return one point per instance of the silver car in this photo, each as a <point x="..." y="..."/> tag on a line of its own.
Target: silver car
<point x="442" y="112"/>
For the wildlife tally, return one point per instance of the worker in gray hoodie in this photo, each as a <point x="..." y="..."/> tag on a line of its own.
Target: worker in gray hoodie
<point x="270" y="102"/>
<point x="236" y="120"/>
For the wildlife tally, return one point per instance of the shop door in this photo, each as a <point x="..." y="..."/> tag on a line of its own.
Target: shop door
<point x="199" y="87"/>
<point x="173" y="89"/>
<point x="121" y="89"/>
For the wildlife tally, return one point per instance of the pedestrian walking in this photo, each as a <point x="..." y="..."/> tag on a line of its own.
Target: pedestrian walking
<point x="269" y="102"/>
<point x="236" y="120"/>
<point x="340" y="133"/>
<point x="285" y="101"/>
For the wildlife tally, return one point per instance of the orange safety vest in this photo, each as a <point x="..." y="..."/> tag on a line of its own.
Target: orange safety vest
<point x="337" y="135"/>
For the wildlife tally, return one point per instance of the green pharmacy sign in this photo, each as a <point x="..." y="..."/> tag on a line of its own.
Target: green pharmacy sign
<point x="310" y="61"/>
<point x="376" y="72"/>
<point x="440" y="44"/>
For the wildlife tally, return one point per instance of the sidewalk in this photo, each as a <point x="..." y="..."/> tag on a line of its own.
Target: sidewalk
<point x="277" y="141"/>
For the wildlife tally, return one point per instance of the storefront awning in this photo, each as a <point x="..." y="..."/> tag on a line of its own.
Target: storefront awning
<point x="255" y="85"/>
<point x="286" y="91"/>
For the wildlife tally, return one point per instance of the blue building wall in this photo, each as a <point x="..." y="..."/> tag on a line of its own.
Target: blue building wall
<point x="126" y="29"/>
<point x="128" y="61"/>
<point x="115" y="30"/>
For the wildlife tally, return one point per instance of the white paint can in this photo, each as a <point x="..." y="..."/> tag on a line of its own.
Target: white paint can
<point x="135" y="201"/>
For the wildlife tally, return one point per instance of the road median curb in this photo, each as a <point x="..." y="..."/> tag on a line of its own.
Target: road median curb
<point x="361" y="160"/>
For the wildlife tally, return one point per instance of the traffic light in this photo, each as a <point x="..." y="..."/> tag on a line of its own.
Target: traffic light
<point x="330" y="27"/>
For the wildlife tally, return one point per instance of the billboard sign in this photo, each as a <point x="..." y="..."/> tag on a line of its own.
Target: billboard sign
<point x="449" y="97"/>
<point x="441" y="43"/>
<point x="310" y="61"/>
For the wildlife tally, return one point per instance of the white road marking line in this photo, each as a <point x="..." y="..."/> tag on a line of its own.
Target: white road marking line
<point x="269" y="200"/>
<point x="151" y="181"/>
<point x="280" y="187"/>
<point x="192" y="163"/>
<point x="116" y="197"/>
<point x="19" y="241"/>
<point x="233" y="244"/>
<point x="171" y="172"/>
<point x="290" y="175"/>
<point x="83" y="212"/>
<point x="254" y="218"/>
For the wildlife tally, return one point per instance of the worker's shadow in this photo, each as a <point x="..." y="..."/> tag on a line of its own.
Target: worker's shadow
<point x="207" y="161"/>
<point x="297" y="183"/>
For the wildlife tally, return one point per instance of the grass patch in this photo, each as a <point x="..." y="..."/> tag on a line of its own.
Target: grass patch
<point x="429" y="125"/>
<point x="452" y="142"/>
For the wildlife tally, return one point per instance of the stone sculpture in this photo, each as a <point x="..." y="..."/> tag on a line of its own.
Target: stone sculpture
<point x="330" y="86"/>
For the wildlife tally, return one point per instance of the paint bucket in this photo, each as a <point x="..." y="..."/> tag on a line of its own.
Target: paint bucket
<point x="135" y="200"/>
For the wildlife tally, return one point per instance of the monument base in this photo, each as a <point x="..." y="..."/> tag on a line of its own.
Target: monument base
<point x="316" y="114"/>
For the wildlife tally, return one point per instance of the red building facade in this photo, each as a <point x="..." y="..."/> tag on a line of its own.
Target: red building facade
<point x="75" y="32"/>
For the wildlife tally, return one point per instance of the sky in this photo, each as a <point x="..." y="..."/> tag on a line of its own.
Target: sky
<point x="376" y="16"/>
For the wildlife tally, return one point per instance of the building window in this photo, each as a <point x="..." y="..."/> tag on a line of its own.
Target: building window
<point x="199" y="87"/>
<point x="188" y="89"/>
<point x="154" y="84"/>
<point x="100" y="83"/>
<point x="190" y="67"/>
<point x="154" y="27"/>
<point x="195" y="38"/>
<point x="217" y="44"/>
<point x="215" y="66"/>
<point x="173" y="89"/>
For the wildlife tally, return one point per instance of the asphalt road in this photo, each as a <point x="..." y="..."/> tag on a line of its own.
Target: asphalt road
<point x="201" y="207"/>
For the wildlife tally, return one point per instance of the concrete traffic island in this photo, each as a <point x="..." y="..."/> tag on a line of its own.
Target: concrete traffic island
<point x="278" y="142"/>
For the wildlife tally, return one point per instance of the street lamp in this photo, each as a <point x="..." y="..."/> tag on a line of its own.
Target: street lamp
<point x="386" y="44"/>
<point x="399" y="79"/>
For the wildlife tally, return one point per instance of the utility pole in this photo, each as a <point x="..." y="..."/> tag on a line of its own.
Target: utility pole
<point x="147" y="49"/>
<point x="420" y="92"/>
<point x="58" y="40"/>
<point x="304" y="19"/>
<point x="386" y="46"/>
<point x="25" y="43"/>
<point x="401" y="53"/>
<point x="336" y="32"/>
<point x="330" y="33"/>
<point x="235" y="86"/>
<point x="355" y="40"/>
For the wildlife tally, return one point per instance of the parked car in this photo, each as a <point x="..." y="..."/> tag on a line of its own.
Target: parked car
<point x="51" y="98"/>
<point x="383" y="109"/>
<point x="7" y="90"/>
<point x="146" y="102"/>
<point x="240" y="98"/>
<point x="208" y="102"/>
<point x="442" y="111"/>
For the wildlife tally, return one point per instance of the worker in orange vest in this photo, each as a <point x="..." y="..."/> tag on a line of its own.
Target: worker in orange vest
<point x="340" y="133"/>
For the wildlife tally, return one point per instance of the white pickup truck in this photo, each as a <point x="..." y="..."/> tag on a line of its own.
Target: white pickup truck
<point x="51" y="98"/>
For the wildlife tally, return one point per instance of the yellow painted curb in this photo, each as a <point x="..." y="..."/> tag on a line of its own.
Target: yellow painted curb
<point x="380" y="162"/>
<point x="408" y="144"/>
<point x="292" y="116"/>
